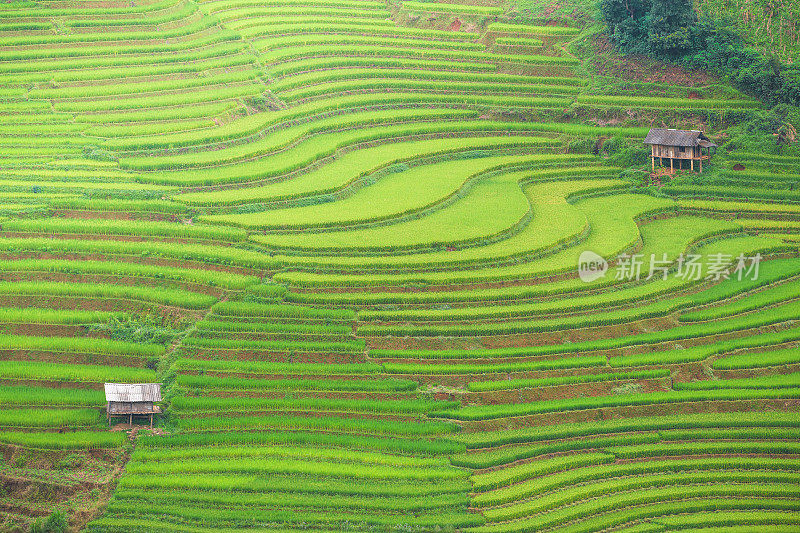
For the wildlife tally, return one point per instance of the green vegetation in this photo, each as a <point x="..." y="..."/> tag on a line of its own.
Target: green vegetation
<point x="344" y="237"/>
<point x="81" y="373"/>
<point x="672" y="30"/>
<point x="509" y="410"/>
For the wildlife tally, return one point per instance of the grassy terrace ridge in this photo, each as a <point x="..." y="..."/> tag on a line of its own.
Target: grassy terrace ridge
<point x="344" y="237"/>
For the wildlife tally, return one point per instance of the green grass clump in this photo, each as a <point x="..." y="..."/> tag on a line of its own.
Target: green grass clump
<point x="356" y="346"/>
<point x="771" y="296"/>
<point x="436" y="7"/>
<point x="73" y="440"/>
<point x="521" y="366"/>
<point x="507" y="476"/>
<point x="778" y="314"/>
<point x="536" y="30"/>
<point x="118" y="227"/>
<point x="48" y="418"/>
<point x="43" y="396"/>
<point x="164" y="296"/>
<point x="79" y="344"/>
<point x="489" y="412"/>
<point x="639" y="424"/>
<point x="345" y="425"/>
<point x="254" y="384"/>
<point x="564" y="380"/>
<point x="788" y="356"/>
<point x="293" y="466"/>
<point x="247" y="309"/>
<point x="673" y="103"/>
<point x="226" y="255"/>
<point x="780" y="381"/>
<point x="312" y="405"/>
<point x="36" y="370"/>
<point x="393" y="444"/>
<point x="264" y="368"/>
<point x="379" y="504"/>
<point x="288" y="484"/>
<point x="209" y="277"/>
<point x="229" y="327"/>
<point x="38" y="315"/>
<point x="724" y="469"/>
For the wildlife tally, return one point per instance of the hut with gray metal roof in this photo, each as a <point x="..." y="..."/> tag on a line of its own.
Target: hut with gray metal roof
<point x="132" y="399"/>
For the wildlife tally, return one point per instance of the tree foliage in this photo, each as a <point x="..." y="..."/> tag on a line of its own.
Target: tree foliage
<point x="671" y="30"/>
<point x="626" y="22"/>
<point x="670" y="27"/>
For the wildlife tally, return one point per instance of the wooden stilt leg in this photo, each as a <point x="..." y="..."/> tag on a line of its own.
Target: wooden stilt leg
<point x="151" y="420"/>
<point x="692" y="162"/>
<point x="130" y="419"/>
<point x="671" y="165"/>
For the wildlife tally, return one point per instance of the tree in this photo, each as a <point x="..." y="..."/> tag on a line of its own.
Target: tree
<point x="626" y="20"/>
<point x="671" y="28"/>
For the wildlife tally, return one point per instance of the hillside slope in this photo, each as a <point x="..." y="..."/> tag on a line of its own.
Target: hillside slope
<point x="772" y="26"/>
<point x="345" y="236"/>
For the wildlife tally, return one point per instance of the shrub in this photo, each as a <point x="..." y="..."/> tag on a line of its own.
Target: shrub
<point x="633" y="156"/>
<point x="55" y="523"/>
<point x="140" y="330"/>
<point x="582" y="146"/>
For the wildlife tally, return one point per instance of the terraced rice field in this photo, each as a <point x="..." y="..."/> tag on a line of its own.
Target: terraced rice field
<point x="344" y="235"/>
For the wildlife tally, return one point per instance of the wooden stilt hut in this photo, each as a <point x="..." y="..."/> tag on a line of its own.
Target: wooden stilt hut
<point x="132" y="399"/>
<point x="679" y="146"/>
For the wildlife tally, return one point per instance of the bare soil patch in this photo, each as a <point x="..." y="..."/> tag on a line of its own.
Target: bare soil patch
<point x="607" y="62"/>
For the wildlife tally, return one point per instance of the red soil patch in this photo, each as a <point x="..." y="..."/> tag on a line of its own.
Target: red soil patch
<point x="120" y="238"/>
<point x="99" y="304"/>
<point x="523" y="339"/>
<point x="311" y="414"/>
<point x="244" y="354"/>
<point x="330" y="395"/>
<point x="138" y="259"/>
<point x="45" y="330"/>
<point x="612" y="413"/>
<point x="557" y="392"/>
<point x="608" y="62"/>
<point x="756" y="372"/>
<point x="567" y="336"/>
<point x="256" y="375"/>
<point x="71" y="358"/>
<point x="53" y="384"/>
<point x="157" y="283"/>
<point x="115" y="215"/>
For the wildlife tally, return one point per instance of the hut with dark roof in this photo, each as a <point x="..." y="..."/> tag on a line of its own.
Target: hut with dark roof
<point x="132" y="399"/>
<point x="680" y="146"/>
